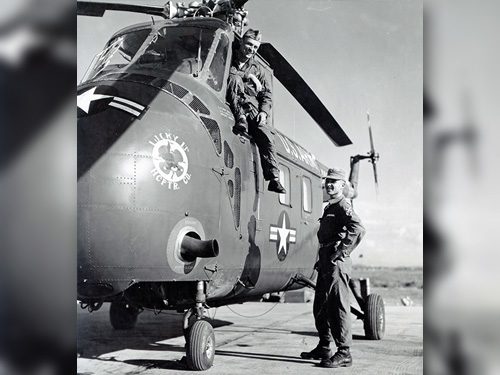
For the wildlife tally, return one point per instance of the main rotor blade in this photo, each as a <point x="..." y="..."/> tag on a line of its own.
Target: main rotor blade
<point x="87" y="8"/>
<point x="239" y="3"/>
<point x="301" y="91"/>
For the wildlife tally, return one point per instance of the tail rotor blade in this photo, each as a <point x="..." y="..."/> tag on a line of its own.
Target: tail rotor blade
<point x="370" y="132"/>
<point x="375" y="175"/>
<point x="373" y="155"/>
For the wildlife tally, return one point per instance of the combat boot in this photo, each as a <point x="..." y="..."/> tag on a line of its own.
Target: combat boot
<point x="241" y="125"/>
<point x="342" y="358"/>
<point x="317" y="353"/>
<point x="274" y="185"/>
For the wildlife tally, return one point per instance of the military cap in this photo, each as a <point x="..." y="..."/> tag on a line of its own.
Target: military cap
<point x="336" y="174"/>
<point x="253" y="34"/>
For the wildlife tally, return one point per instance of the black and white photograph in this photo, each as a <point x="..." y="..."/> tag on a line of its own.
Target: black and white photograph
<point x="237" y="187"/>
<point x="250" y="187"/>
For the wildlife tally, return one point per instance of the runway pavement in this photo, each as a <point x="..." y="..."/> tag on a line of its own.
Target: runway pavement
<point x="268" y="340"/>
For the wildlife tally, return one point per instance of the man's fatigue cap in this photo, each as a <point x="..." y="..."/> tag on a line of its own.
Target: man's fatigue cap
<point x="336" y="174"/>
<point x="253" y="34"/>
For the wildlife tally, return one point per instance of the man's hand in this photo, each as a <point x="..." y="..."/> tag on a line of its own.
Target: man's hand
<point x="262" y="118"/>
<point x="337" y="254"/>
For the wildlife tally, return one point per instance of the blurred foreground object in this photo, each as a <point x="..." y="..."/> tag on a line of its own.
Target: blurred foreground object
<point x="37" y="185"/>
<point x="461" y="139"/>
<point x="37" y="63"/>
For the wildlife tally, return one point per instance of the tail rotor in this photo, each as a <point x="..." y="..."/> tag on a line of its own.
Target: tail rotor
<point x="373" y="155"/>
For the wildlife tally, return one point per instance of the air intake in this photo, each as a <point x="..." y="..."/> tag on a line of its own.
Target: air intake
<point x="213" y="129"/>
<point x="170" y="87"/>
<point x="198" y="106"/>
<point x="228" y="156"/>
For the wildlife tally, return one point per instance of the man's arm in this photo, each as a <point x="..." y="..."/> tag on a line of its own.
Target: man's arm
<point x="233" y="94"/>
<point x="265" y="96"/>
<point x="354" y="233"/>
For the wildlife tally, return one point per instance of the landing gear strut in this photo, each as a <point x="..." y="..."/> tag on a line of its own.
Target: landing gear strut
<point x="200" y="337"/>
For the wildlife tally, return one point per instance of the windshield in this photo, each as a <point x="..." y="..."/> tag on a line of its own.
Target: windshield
<point x="181" y="49"/>
<point x="118" y="53"/>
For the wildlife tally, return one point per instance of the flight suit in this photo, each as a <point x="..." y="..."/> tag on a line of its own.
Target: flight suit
<point x="246" y="101"/>
<point x="339" y="234"/>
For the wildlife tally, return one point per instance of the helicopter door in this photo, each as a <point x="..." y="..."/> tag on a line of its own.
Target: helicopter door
<point x="308" y="211"/>
<point x="257" y="180"/>
<point x="241" y="160"/>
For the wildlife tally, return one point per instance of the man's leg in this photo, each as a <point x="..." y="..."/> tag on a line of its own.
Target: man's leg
<point x="264" y="137"/>
<point x="320" y="312"/>
<point x="339" y="304"/>
<point x="235" y="96"/>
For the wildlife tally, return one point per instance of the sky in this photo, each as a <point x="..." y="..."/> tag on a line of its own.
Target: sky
<point x="356" y="56"/>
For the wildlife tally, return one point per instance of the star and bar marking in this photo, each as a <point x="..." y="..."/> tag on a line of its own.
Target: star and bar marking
<point x="282" y="235"/>
<point x="85" y="99"/>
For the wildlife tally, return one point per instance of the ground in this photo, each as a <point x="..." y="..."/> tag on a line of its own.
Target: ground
<point x="262" y="338"/>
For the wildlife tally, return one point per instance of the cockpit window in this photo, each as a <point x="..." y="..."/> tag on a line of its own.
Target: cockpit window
<point x="181" y="49"/>
<point x="118" y="53"/>
<point x="216" y="71"/>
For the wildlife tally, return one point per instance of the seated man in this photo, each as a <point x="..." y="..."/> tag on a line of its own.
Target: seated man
<point x="250" y="99"/>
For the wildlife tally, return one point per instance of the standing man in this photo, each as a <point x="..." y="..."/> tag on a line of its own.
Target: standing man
<point x="250" y="99"/>
<point x="339" y="233"/>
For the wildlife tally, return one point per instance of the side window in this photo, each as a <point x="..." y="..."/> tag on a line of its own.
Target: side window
<point x="285" y="181"/>
<point x="306" y="194"/>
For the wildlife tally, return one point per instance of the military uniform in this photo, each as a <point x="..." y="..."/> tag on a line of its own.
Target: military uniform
<point x="246" y="102"/>
<point x="339" y="233"/>
<point x="243" y="96"/>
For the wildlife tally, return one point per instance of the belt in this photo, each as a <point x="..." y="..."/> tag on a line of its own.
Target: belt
<point x="322" y="245"/>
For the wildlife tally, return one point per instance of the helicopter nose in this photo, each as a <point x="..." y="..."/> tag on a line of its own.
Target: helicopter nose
<point x="138" y="175"/>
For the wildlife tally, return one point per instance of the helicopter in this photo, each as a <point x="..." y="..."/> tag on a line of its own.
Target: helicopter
<point x="172" y="209"/>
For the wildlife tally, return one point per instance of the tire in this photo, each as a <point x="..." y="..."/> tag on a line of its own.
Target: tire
<point x="374" y="320"/>
<point x="122" y="315"/>
<point x="200" y="352"/>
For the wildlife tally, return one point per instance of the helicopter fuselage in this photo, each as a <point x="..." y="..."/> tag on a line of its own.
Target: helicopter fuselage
<point x="158" y="161"/>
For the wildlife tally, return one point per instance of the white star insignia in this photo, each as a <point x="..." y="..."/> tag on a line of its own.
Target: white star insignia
<point x="285" y="235"/>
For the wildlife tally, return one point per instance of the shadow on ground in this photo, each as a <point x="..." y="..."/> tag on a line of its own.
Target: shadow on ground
<point x="262" y="356"/>
<point x="96" y="336"/>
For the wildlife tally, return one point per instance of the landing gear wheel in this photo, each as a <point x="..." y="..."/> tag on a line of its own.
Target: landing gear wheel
<point x="200" y="346"/>
<point x="123" y="315"/>
<point x="374" y="321"/>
